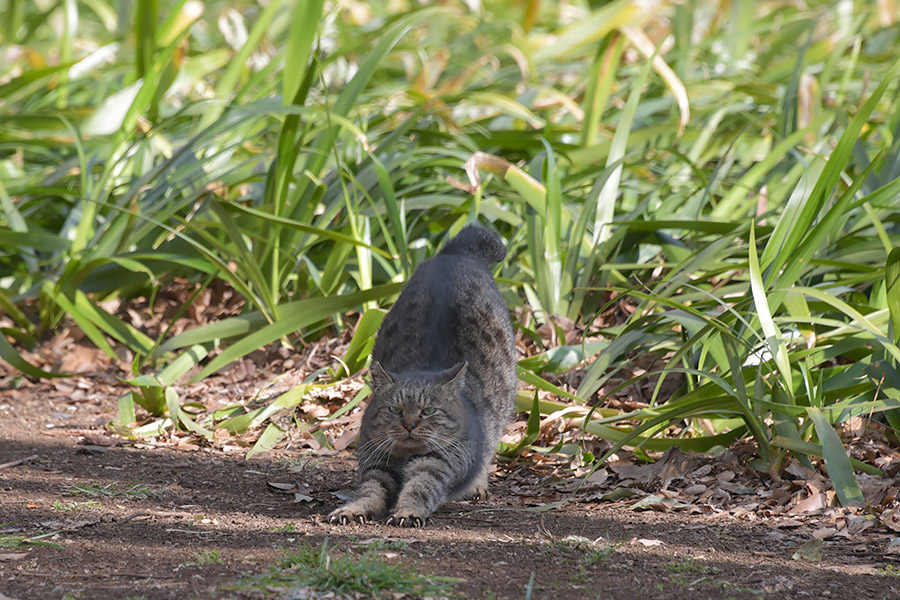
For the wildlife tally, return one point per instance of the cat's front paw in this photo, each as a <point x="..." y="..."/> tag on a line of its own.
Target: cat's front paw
<point x="474" y="494"/>
<point x="479" y="493"/>
<point x="408" y="518"/>
<point x="347" y="514"/>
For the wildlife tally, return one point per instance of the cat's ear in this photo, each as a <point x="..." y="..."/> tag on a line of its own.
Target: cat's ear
<point x="380" y="378"/>
<point x="454" y="375"/>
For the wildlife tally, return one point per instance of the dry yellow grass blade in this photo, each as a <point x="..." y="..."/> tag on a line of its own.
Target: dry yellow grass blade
<point x="643" y="44"/>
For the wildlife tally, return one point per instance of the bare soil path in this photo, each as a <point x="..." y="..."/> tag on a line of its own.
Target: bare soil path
<point x="175" y="523"/>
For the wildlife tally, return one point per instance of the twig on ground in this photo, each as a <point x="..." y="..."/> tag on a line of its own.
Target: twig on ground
<point x="156" y="513"/>
<point x="14" y="463"/>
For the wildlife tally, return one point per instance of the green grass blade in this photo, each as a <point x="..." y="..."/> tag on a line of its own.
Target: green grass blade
<point x="831" y="172"/>
<point x="303" y="30"/>
<point x="112" y="326"/>
<point x="84" y="321"/>
<point x="363" y="340"/>
<point x="270" y="438"/>
<point x="398" y="221"/>
<point x="859" y="321"/>
<point x="774" y="339"/>
<point x="227" y="85"/>
<point x="146" y="15"/>
<point x="606" y="201"/>
<point x="294" y="316"/>
<point x="811" y="449"/>
<point x="840" y="471"/>
<point x="892" y="285"/>
<point x="10" y="355"/>
<point x="532" y="428"/>
<point x="13" y="312"/>
<point x="254" y="418"/>
<point x="181" y="365"/>
<point x="588" y="31"/>
<point x="237" y="326"/>
<point x="318" y="232"/>
<point x="602" y="74"/>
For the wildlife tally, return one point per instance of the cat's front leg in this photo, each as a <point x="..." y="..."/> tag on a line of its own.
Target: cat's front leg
<point x="373" y="496"/>
<point x="477" y="489"/>
<point x="426" y="483"/>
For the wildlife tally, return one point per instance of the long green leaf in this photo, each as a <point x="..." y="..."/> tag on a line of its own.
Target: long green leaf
<point x="892" y="284"/>
<point x="295" y="316"/>
<point x="836" y="460"/>
<point x="10" y="355"/>
<point x="318" y="307"/>
<point x="303" y="29"/>
<point x="606" y="201"/>
<point x="774" y="340"/>
<point x="831" y="171"/>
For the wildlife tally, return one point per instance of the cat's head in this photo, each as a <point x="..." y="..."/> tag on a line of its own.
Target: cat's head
<point x="414" y="413"/>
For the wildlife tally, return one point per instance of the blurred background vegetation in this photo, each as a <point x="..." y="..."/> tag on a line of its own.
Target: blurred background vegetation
<point x="706" y="189"/>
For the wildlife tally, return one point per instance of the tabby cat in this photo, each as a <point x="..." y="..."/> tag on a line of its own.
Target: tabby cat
<point x="443" y="377"/>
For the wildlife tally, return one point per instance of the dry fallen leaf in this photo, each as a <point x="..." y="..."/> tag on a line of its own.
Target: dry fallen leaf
<point x="284" y="487"/>
<point x="891" y="519"/>
<point x="893" y="546"/>
<point x="788" y="523"/>
<point x="619" y="493"/>
<point x="659" y="503"/>
<point x="823" y="533"/>
<point x="811" y="551"/>
<point x="12" y="556"/>
<point x="814" y="503"/>
<point x="694" y="490"/>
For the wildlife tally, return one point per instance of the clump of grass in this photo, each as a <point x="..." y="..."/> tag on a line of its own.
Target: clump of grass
<point x="321" y="569"/>
<point x="115" y="489"/>
<point x="889" y="571"/>
<point x="210" y="557"/>
<point x="76" y="506"/>
<point x="592" y="551"/>
<point x="687" y="566"/>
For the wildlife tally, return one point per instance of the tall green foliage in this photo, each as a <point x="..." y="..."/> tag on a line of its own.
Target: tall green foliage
<point x="734" y="175"/>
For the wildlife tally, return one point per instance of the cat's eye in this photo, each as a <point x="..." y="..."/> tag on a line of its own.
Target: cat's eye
<point x="395" y="410"/>
<point x="429" y="411"/>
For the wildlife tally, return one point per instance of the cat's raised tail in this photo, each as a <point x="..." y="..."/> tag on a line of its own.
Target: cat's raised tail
<point x="476" y="241"/>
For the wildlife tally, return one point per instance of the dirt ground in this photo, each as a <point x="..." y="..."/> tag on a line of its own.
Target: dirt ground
<point x="186" y="521"/>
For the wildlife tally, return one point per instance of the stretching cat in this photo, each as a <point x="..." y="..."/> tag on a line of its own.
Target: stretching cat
<point x="443" y="376"/>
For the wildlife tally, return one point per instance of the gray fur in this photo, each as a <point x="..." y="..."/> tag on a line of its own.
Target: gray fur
<point x="443" y="376"/>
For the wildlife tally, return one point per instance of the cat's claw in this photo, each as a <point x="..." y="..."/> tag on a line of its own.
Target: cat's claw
<point x="408" y="521"/>
<point x="343" y="518"/>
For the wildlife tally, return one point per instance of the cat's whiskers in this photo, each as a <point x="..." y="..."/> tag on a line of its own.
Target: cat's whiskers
<point x="384" y="453"/>
<point x="376" y="449"/>
<point x="438" y="448"/>
<point x="444" y="445"/>
<point x="373" y="443"/>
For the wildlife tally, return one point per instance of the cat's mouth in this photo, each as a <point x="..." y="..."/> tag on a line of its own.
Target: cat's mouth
<point x="409" y="441"/>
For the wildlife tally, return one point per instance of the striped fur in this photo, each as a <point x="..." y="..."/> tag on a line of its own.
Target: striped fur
<point x="444" y="382"/>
